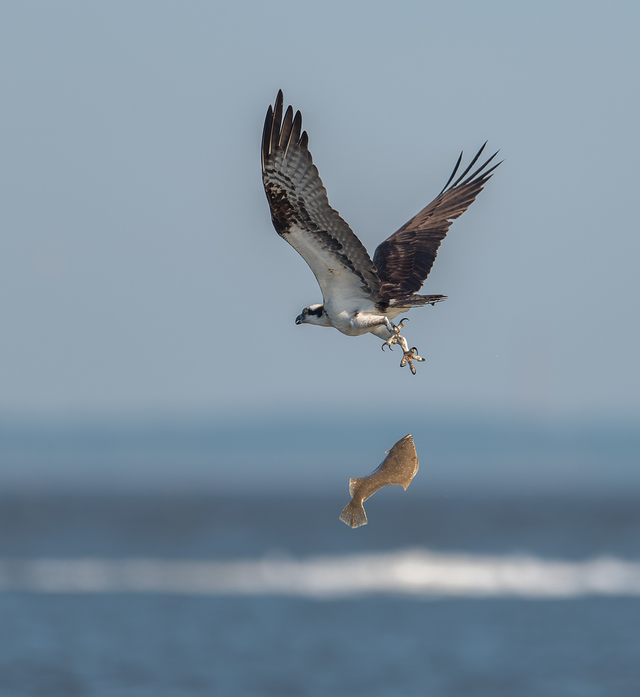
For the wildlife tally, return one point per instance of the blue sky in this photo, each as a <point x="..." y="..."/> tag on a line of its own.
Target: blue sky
<point x="140" y="273"/>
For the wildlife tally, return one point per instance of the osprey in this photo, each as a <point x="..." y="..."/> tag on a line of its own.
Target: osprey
<point x="359" y="295"/>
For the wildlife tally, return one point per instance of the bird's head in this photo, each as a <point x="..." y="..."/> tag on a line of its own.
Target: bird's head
<point x="314" y="314"/>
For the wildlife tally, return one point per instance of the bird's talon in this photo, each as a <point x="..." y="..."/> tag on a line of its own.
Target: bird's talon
<point x="408" y="358"/>
<point x="414" y="355"/>
<point x="410" y="354"/>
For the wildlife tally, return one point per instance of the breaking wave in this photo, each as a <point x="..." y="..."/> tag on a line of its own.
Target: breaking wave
<point x="415" y="573"/>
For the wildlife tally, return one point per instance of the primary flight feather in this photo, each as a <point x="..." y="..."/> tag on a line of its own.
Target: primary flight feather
<point x="359" y="295"/>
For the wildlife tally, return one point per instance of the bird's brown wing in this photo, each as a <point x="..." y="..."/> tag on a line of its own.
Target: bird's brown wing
<point x="404" y="260"/>
<point x="301" y="213"/>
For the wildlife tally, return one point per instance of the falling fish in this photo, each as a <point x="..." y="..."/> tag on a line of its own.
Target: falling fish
<point x="399" y="467"/>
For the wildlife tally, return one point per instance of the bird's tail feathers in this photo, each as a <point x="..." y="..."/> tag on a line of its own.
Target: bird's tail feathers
<point x="353" y="514"/>
<point x="417" y="301"/>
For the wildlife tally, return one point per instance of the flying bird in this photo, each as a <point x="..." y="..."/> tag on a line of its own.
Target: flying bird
<point x="399" y="467"/>
<point x="360" y="295"/>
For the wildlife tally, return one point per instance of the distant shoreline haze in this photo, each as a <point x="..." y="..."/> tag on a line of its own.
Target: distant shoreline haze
<point x="309" y="452"/>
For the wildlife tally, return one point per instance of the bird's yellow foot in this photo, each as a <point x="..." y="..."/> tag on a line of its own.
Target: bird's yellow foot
<point x="409" y="357"/>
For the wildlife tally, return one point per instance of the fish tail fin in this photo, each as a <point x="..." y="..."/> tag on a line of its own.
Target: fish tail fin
<point x="353" y="514"/>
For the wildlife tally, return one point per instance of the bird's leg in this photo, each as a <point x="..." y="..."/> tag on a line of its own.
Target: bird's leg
<point x="410" y="355"/>
<point x="394" y="330"/>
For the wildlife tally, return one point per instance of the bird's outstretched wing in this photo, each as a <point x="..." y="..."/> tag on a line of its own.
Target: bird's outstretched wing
<point x="301" y="213"/>
<point x="404" y="260"/>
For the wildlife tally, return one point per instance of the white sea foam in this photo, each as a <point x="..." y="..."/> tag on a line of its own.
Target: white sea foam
<point x="416" y="573"/>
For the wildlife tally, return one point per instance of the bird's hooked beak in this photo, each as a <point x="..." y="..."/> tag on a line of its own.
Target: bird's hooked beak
<point x="300" y="319"/>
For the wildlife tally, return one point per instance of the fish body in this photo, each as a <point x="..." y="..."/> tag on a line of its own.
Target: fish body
<point x="398" y="468"/>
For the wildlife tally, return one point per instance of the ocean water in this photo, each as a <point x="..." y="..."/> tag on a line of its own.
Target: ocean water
<point x="212" y="595"/>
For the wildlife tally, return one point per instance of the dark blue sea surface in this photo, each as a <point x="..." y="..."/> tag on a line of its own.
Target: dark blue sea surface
<point x="383" y="647"/>
<point x="66" y="644"/>
<point x="207" y="526"/>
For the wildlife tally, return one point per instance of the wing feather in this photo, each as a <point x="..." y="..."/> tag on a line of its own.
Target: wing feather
<point x="285" y="133"/>
<point x="404" y="260"/>
<point x="301" y="213"/>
